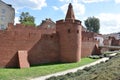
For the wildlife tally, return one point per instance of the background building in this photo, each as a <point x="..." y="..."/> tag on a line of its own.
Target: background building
<point x="115" y="35"/>
<point x="7" y="15"/>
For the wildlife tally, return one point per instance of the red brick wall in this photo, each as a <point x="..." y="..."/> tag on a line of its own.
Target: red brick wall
<point x="89" y="44"/>
<point x="115" y="42"/>
<point x="42" y="49"/>
<point x="11" y="42"/>
<point x="70" y="40"/>
<point x="44" y="46"/>
<point x="45" y="50"/>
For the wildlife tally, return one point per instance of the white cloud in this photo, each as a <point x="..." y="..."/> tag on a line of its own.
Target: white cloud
<point x="93" y="1"/>
<point x="117" y="1"/>
<point x="79" y="9"/>
<point x="66" y="0"/>
<point x="33" y="4"/>
<point x="55" y="8"/>
<point x="109" y="22"/>
<point x="61" y="0"/>
<point x="71" y="1"/>
<point x="16" y="20"/>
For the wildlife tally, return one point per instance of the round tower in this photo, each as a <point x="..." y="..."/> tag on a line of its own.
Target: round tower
<point x="69" y="31"/>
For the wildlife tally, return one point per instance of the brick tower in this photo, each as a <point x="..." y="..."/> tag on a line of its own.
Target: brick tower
<point x="69" y="31"/>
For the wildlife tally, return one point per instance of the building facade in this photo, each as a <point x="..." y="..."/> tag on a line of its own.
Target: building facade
<point x="7" y="15"/>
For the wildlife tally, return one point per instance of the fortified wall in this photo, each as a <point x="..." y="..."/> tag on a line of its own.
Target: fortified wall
<point x="42" y="47"/>
<point x="22" y="46"/>
<point x="89" y="44"/>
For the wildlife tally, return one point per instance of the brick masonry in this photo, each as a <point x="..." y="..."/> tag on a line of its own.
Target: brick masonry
<point x="65" y="43"/>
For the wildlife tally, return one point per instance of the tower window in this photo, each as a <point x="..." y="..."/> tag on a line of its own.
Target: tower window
<point x="77" y="31"/>
<point x="69" y="31"/>
<point x="51" y="36"/>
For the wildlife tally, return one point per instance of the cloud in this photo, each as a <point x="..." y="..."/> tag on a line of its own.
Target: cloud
<point x="61" y="0"/>
<point x="109" y="22"/>
<point x="32" y="4"/>
<point x="55" y="8"/>
<point x="93" y="1"/>
<point x="79" y="9"/>
<point x="117" y="1"/>
<point x="70" y="1"/>
<point x="16" y="20"/>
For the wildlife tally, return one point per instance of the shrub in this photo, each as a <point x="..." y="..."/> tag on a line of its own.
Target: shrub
<point x="63" y="77"/>
<point x="52" y="78"/>
<point x="79" y="72"/>
<point x="70" y="74"/>
<point x="87" y="68"/>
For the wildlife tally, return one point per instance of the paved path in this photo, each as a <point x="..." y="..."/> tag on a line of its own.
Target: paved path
<point x="71" y="70"/>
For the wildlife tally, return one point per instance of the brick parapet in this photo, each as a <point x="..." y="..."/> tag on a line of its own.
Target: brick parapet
<point x="69" y="21"/>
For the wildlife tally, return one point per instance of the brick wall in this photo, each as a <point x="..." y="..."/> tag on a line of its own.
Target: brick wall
<point x="89" y="47"/>
<point x="40" y="47"/>
<point x="46" y="50"/>
<point x="89" y="44"/>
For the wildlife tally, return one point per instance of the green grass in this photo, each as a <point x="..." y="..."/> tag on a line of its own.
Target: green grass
<point x="35" y="71"/>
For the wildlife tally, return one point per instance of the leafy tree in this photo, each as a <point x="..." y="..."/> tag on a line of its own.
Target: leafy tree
<point x="92" y="24"/>
<point x="27" y="19"/>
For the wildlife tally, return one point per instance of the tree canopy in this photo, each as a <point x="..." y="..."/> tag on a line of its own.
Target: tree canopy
<point x="27" y="19"/>
<point x="92" y="24"/>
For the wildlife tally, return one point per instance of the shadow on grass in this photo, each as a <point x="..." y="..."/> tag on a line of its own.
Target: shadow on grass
<point x="48" y="64"/>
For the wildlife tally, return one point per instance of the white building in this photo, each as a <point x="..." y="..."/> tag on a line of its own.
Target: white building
<point x="7" y="15"/>
<point x="115" y="35"/>
<point x="100" y="39"/>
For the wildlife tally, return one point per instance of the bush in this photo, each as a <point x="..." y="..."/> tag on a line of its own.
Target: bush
<point x="63" y="77"/>
<point x="87" y="68"/>
<point x="79" y="72"/>
<point x="52" y="78"/>
<point x="70" y="74"/>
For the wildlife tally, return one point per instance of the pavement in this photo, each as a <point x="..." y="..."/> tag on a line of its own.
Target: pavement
<point x="71" y="70"/>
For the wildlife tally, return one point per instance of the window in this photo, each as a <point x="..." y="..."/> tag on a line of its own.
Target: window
<point x="51" y="36"/>
<point x="2" y="18"/>
<point x="69" y="31"/>
<point x="77" y="31"/>
<point x="2" y="27"/>
<point x="3" y="11"/>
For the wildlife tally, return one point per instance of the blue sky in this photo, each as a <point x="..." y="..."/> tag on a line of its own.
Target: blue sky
<point x="106" y="10"/>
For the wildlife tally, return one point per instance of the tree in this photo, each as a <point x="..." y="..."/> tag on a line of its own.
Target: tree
<point x="27" y="19"/>
<point x="92" y="24"/>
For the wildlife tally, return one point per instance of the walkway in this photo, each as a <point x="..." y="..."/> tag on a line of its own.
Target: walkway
<point x="71" y="70"/>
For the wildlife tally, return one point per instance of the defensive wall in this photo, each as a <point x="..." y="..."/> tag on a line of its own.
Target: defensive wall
<point x="41" y="46"/>
<point x="89" y="44"/>
<point x="22" y="46"/>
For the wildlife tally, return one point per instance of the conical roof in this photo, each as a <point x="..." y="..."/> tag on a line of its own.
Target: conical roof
<point x="70" y="13"/>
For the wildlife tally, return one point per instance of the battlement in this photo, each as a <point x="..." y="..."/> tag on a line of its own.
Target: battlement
<point x="49" y="36"/>
<point x="87" y="39"/>
<point x="11" y="26"/>
<point x="69" y="21"/>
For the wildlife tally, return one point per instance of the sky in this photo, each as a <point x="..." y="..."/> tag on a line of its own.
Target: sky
<point x="108" y="11"/>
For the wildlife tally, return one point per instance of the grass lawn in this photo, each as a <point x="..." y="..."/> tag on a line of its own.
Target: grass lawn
<point x="35" y="71"/>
